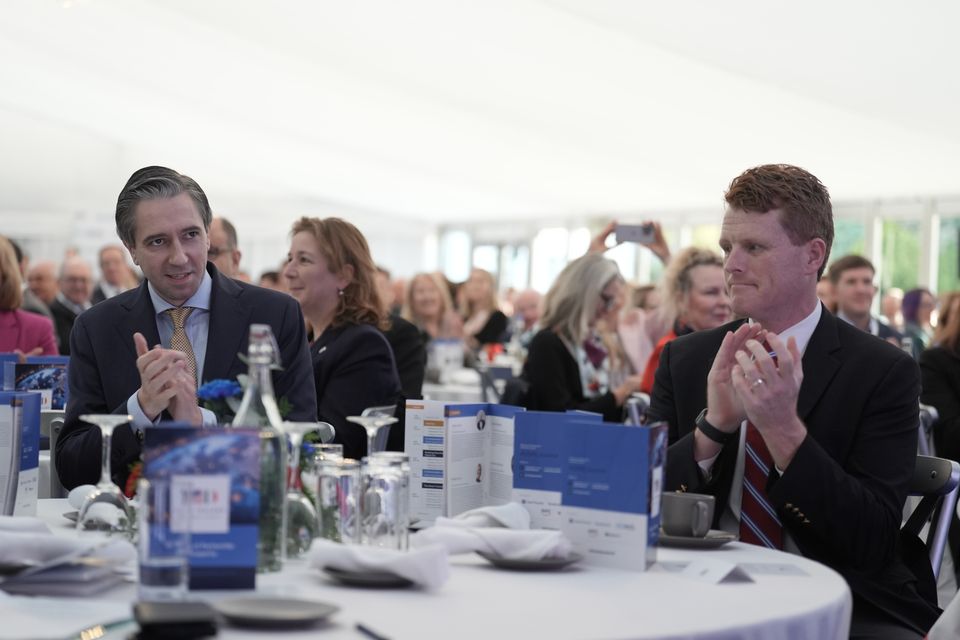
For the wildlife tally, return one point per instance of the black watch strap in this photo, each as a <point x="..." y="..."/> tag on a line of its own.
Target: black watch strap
<point x="720" y="437"/>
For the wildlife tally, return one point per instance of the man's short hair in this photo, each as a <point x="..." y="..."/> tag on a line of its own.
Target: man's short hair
<point x="846" y="263"/>
<point x="151" y="183"/>
<point x="804" y="202"/>
<point x="231" y="231"/>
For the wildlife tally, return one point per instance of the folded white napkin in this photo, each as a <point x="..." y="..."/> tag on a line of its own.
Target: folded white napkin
<point x="28" y="545"/>
<point x="511" y="515"/>
<point x="426" y="566"/>
<point x="529" y="544"/>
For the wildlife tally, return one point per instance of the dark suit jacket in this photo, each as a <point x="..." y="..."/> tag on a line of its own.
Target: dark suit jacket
<point x="103" y="371"/>
<point x="842" y="496"/>
<point x="354" y="369"/>
<point x="98" y="295"/>
<point x="885" y="331"/>
<point x="409" y="346"/>
<point x="554" y="378"/>
<point x="63" y="319"/>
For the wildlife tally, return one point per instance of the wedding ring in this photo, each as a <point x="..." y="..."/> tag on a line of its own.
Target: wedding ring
<point x="757" y="382"/>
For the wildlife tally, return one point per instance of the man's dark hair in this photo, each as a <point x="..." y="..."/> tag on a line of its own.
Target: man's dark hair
<point x="804" y="202"/>
<point x="16" y="249"/>
<point x="151" y="183"/>
<point x="846" y="263"/>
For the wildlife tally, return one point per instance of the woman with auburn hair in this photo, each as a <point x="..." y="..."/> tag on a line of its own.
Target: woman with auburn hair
<point x="483" y="322"/>
<point x="568" y="365"/>
<point x="694" y="298"/>
<point x="330" y="271"/>
<point x="940" y="380"/>
<point x="429" y="306"/>
<point x="21" y="332"/>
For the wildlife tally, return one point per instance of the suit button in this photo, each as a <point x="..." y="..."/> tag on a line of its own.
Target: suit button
<point x="789" y="505"/>
<point x="805" y="521"/>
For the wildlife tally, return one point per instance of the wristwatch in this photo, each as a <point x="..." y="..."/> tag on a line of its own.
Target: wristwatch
<point x="707" y="429"/>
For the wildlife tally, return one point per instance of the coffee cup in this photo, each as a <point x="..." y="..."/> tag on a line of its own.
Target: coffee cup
<point x="689" y="515"/>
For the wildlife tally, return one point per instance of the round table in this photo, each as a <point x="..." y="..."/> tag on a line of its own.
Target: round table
<point x="486" y="603"/>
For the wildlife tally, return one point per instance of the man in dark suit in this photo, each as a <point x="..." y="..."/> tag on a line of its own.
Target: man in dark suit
<point x="73" y="298"/>
<point x="144" y="351"/>
<point x="853" y="289"/>
<point x="807" y="426"/>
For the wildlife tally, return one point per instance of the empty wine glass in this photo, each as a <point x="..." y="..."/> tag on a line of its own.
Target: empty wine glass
<point x="302" y="524"/>
<point x="372" y="424"/>
<point x="106" y="509"/>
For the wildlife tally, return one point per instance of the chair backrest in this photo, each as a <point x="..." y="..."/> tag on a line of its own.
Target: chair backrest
<point x="383" y="435"/>
<point x="936" y="480"/>
<point x="928" y="416"/>
<point x="56" y="488"/>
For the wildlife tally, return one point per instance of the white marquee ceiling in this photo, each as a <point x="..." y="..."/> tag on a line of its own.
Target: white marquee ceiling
<point x="444" y="111"/>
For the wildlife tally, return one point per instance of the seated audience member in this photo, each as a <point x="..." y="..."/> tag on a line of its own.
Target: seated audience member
<point x="527" y="307"/>
<point x="30" y="301"/>
<point x="826" y="295"/>
<point x="694" y="298"/>
<point x="22" y="332"/>
<point x="387" y="292"/>
<point x="853" y="291"/>
<point x="890" y="307"/>
<point x="567" y="363"/>
<point x="330" y="271"/>
<point x="42" y="281"/>
<point x="115" y="274"/>
<point x="272" y="280"/>
<point x="224" y="250"/>
<point x="145" y="351"/>
<point x="429" y="307"/>
<point x="76" y="285"/>
<point x="940" y="378"/>
<point x="803" y="427"/>
<point x="918" y="305"/>
<point x="483" y="322"/>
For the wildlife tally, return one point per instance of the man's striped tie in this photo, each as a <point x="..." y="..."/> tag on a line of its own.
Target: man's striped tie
<point x="179" y="341"/>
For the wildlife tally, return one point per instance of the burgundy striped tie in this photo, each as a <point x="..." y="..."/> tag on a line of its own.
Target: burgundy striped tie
<point x="759" y="522"/>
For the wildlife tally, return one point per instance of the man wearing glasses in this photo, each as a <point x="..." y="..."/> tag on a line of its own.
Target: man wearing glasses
<point x="223" y="251"/>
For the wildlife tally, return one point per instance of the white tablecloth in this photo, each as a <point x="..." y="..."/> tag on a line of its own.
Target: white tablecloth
<point x="482" y="602"/>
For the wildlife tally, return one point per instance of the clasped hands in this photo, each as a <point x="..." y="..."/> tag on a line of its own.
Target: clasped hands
<point x="166" y="383"/>
<point x="746" y="383"/>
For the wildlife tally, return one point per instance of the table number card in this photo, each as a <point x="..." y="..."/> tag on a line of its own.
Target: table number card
<point x="218" y="472"/>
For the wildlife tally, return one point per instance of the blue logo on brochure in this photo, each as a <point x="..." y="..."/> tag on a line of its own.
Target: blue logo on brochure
<point x="433" y="473"/>
<point x="432" y="439"/>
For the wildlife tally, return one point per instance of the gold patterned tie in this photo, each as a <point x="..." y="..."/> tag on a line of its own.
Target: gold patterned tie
<point x="179" y="340"/>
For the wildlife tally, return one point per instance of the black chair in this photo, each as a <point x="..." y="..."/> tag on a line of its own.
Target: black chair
<point x="936" y="481"/>
<point x="928" y="416"/>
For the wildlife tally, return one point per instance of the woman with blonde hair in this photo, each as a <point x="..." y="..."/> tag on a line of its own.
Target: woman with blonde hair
<point x="330" y="271"/>
<point x="940" y="388"/>
<point x="428" y="305"/>
<point x="567" y="364"/>
<point x="483" y="321"/>
<point x="21" y="332"/>
<point x="694" y="298"/>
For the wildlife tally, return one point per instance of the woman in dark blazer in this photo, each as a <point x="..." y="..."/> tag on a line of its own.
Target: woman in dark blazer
<point x="567" y="364"/>
<point x="940" y="377"/>
<point x="330" y="271"/>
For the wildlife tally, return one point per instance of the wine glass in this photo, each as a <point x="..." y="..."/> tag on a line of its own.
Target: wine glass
<point x="372" y="424"/>
<point x="300" y="514"/>
<point x="106" y="509"/>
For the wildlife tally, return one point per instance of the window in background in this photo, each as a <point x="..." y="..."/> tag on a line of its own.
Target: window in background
<point x="549" y="257"/>
<point x="625" y="255"/>
<point x="848" y="238"/>
<point x="578" y="242"/>
<point x="948" y="265"/>
<point x="487" y="257"/>
<point x="514" y="267"/>
<point x="706" y="236"/>
<point x="901" y="254"/>
<point x="455" y="255"/>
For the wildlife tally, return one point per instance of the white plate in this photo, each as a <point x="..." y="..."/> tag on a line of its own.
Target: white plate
<point x="714" y="539"/>
<point x="544" y="564"/>
<point x="377" y="579"/>
<point x="273" y="613"/>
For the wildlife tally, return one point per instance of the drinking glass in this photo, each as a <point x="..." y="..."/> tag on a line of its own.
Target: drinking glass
<point x="164" y="547"/>
<point x="312" y="454"/>
<point x="106" y="509"/>
<point x="385" y="492"/>
<point x="299" y="512"/>
<point x="372" y="424"/>
<point x="338" y="499"/>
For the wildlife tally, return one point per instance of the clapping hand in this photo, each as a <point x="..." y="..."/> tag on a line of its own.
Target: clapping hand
<point x="165" y="383"/>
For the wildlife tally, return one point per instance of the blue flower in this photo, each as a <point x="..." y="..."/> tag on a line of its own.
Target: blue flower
<point x="219" y="390"/>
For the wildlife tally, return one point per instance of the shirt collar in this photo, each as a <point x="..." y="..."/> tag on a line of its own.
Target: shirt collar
<point x="73" y="306"/>
<point x="199" y="300"/>
<point x="873" y="326"/>
<point x="803" y="330"/>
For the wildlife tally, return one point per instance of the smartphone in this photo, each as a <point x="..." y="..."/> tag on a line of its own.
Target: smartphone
<point x="639" y="233"/>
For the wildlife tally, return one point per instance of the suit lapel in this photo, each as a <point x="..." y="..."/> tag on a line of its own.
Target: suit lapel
<point x="819" y="364"/>
<point x="229" y="327"/>
<point x="141" y="317"/>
